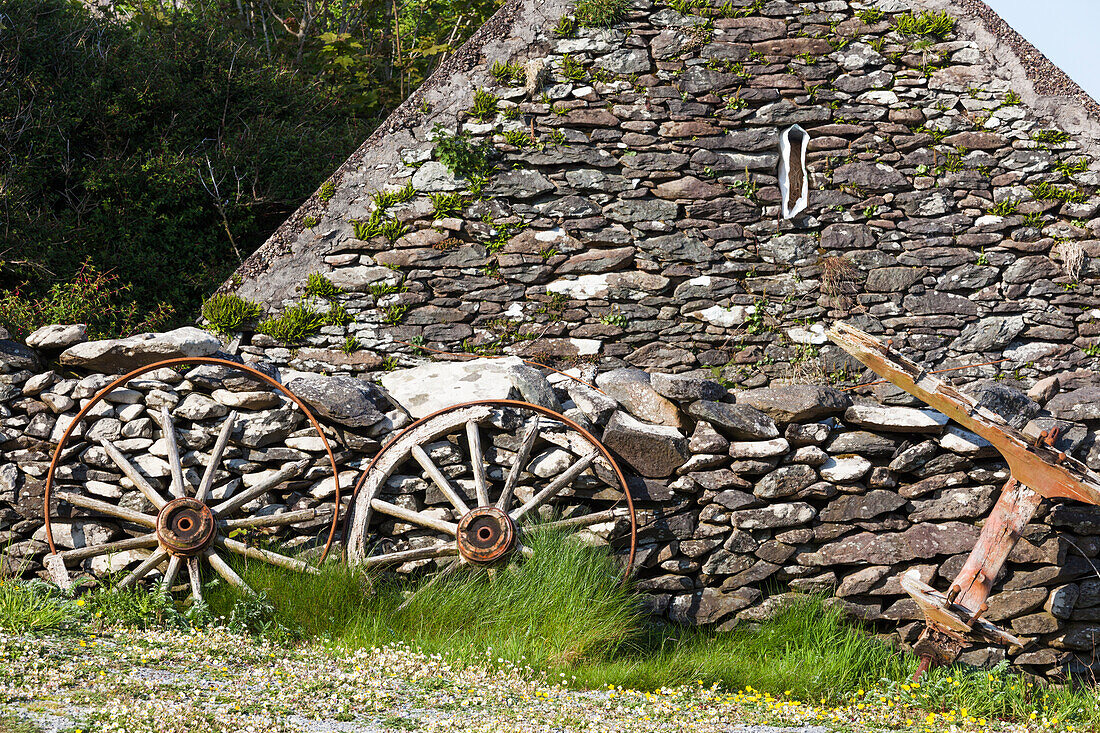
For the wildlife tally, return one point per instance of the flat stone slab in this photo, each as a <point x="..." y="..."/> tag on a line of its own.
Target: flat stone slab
<point x="118" y="355"/>
<point x="426" y="389"/>
<point x="898" y="419"/>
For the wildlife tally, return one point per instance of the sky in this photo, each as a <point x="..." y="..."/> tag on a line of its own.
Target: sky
<point x="1064" y="30"/>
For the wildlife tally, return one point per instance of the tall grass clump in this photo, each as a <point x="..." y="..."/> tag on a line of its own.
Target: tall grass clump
<point x="29" y="607"/>
<point x="565" y="605"/>
<point x="808" y="648"/>
<point x="229" y="312"/>
<point x="600" y="13"/>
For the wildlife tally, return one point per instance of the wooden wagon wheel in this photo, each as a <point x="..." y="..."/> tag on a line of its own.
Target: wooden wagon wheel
<point x="189" y="523"/>
<point x="502" y="469"/>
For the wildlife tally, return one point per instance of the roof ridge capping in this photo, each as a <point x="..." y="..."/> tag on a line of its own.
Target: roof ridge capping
<point x="1042" y="85"/>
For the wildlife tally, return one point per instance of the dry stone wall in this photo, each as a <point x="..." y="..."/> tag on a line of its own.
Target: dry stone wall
<point x="627" y="214"/>
<point x="744" y="496"/>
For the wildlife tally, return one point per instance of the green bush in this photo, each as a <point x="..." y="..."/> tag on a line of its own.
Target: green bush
<point x="96" y="298"/>
<point x="228" y="312"/>
<point x="164" y="143"/>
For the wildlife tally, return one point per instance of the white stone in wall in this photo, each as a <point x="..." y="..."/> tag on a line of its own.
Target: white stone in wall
<point x="845" y="469"/>
<point x="959" y="440"/>
<point x="716" y="315"/>
<point x="897" y="419"/>
<point x="582" y="288"/>
<point x="425" y="389"/>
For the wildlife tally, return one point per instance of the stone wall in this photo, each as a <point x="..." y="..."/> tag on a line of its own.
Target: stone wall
<point x="630" y="214"/>
<point x="743" y="496"/>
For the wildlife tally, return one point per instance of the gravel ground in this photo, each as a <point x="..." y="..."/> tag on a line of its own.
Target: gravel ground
<point x="168" y="681"/>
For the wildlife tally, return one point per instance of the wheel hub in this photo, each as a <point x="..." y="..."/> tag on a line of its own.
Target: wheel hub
<point x="485" y="535"/>
<point x="185" y="527"/>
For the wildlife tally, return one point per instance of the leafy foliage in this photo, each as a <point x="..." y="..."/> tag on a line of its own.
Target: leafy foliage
<point x="228" y="312"/>
<point x="447" y="204"/>
<point x="96" y="298"/>
<point x="459" y="153"/>
<point x="162" y="144"/>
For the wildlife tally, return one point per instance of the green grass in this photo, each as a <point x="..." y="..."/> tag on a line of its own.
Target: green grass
<point x="447" y="204"/>
<point x="485" y="105"/>
<point x="28" y="609"/>
<point x="11" y="724"/>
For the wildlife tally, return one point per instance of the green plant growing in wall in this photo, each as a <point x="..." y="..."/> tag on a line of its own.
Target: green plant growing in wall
<point x="566" y="27"/>
<point x="927" y="24"/>
<point x="351" y="344"/>
<point x="309" y="221"/>
<point x="508" y="73"/>
<point x="1050" y="137"/>
<point x="518" y="138"/>
<point x="1045" y="191"/>
<point x="227" y="312"/>
<point x="1069" y="168"/>
<point x="319" y="286"/>
<point x="557" y="136"/>
<point x="328" y="190"/>
<point x="297" y="323"/>
<point x="1008" y="207"/>
<point x="385" y="199"/>
<point x="870" y="16"/>
<point x="447" y="204"/>
<point x="572" y="69"/>
<point x="600" y="13"/>
<point x="337" y="315"/>
<point x="458" y="151"/>
<point x="485" y="105"/>
<point x="393" y="314"/>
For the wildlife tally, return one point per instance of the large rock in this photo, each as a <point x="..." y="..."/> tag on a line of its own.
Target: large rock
<point x="785" y="481"/>
<point x="920" y="541"/>
<point x="654" y="451"/>
<point x="850" y="507"/>
<point x="1010" y="403"/>
<point x="119" y="355"/>
<point x="15" y="357"/>
<point x="989" y="334"/>
<point x="344" y="400"/>
<point x="632" y="388"/>
<point x="773" y="516"/>
<point x="895" y="419"/>
<point x="742" y="422"/>
<point x="710" y="605"/>
<point x="533" y="387"/>
<point x="1078" y="405"/>
<point x="796" y="402"/>
<point x="57" y="336"/>
<point x="425" y="389"/>
<point x="685" y="388"/>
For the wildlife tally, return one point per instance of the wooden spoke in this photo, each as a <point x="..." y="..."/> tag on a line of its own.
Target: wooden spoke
<point x="131" y="543"/>
<point x="420" y="553"/>
<point x="235" y="502"/>
<point x="194" y="574"/>
<point x="221" y="567"/>
<point x="170" y="573"/>
<point x="412" y="517"/>
<point x="585" y="520"/>
<point x="555" y="486"/>
<point x="169" y="431"/>
<point x="129" y="515"/>
<point x="130" y="471"/>
<point x="477" y="462"/>
<point x="440" y="480"/>
<point x="216" y="457"/>
<point x="524" y="454"/>
<point x="276" y="520"/>
<point x="143" y="569"/>
<point x="447" y="570"/>
<point x="266" y="555"/>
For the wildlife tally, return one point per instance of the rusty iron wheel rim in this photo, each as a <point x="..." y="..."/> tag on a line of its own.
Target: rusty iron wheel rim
<point x="604" y="454"/>
<point x="485" y="535"/>
<point x="188" y="548"/>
